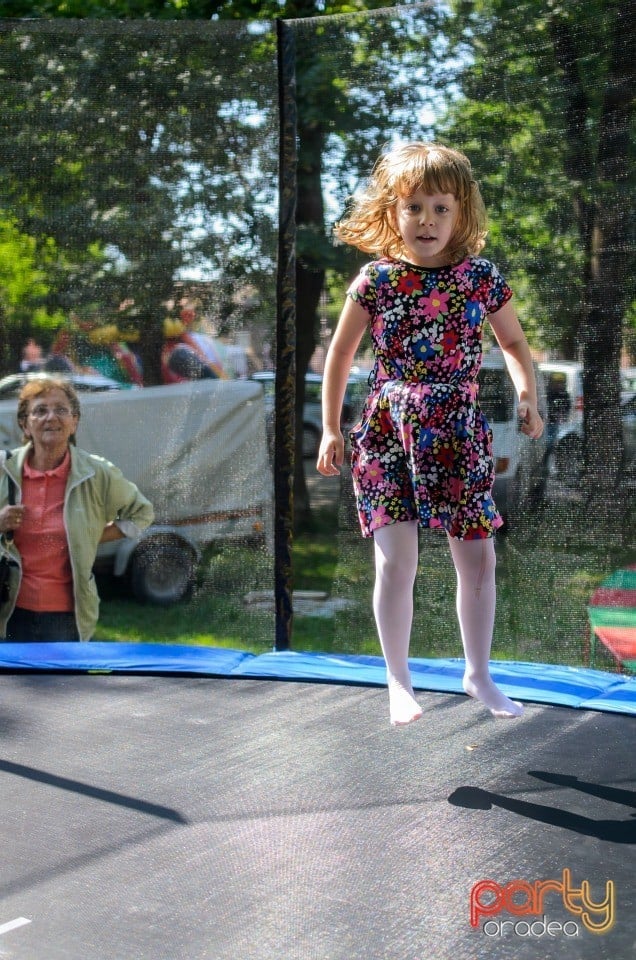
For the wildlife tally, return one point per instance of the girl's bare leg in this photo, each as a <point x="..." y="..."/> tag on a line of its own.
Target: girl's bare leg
<point x="476" y="596"/>
<point x="396" y="554"/>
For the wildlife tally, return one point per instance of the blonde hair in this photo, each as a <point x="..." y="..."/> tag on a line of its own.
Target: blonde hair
<point x="399" y="173"/>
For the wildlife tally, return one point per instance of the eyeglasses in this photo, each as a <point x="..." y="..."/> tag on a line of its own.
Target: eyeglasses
<point x="42" y="412"/>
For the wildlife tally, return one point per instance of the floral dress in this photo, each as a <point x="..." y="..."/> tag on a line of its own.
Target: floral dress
<point x="422" y="449"/>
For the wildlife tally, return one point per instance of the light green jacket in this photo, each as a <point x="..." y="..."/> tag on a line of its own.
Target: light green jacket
<point x="96" y="494"/>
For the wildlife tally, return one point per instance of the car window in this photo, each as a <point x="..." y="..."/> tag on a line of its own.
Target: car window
<point x="313" y="391"/>
<point x="557" y="382"/>
<point x="558" y="396"/>
<point x="358" y="390"/>
<point x="628" y="380"/>
<point x="10" y="388"/>
<point x="496" y="395"/>
<point x="268" y="384"/>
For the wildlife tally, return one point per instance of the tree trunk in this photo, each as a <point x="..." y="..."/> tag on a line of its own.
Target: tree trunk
<point x="150" y="345"/>
<point x="602" y="214"/>
<point x="609" y="271"/>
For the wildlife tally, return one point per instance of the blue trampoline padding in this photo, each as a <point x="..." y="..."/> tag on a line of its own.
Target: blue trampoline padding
<point x="532" y="682"/>
<point x="121" y="658"/>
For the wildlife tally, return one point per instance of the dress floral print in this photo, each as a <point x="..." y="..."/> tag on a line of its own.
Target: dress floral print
<point x="422" y="448"/>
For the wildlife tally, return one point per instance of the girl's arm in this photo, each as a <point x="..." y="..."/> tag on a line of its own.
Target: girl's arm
<point x="353" y="321"/>
<point x="514" y="346"/>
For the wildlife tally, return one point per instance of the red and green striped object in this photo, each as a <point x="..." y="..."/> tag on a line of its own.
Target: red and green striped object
<point x="612" y="613"/>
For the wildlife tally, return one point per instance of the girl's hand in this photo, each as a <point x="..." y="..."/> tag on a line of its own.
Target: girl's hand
<point x="530" y="422"/>
<point x="11" y="517"/>
<point x="331" y="453"/>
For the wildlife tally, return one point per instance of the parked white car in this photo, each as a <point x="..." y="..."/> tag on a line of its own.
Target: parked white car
<point x="312" y="409"/>
<point x="628" y="382"/>
<point x="519" y="461"/>
<point x="11" y="385"/>
<point x="565" y="460"/>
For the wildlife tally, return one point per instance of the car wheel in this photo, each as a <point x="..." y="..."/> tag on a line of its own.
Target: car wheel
<point x="162" y="571"/>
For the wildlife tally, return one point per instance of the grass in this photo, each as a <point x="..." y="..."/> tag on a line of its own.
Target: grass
<point x="547" y="570"/>
<point x="215" y="614"/>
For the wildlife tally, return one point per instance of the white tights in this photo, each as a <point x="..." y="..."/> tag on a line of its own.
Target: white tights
<point x="396" y="556"/>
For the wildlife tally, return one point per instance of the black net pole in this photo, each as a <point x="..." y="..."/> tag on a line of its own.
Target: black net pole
<point x="285" y="341"/>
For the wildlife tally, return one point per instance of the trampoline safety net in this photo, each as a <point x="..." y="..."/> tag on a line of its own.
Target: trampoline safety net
<point x="168" y="192"/>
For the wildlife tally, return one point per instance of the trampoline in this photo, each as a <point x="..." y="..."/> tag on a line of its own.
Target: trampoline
<point x="189" y="803"/>
<point x="221" y="817"/>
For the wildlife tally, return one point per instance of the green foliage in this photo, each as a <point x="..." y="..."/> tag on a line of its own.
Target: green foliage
<point x="21" y="279"/>
<point x="121" y="151"/>
<point x="529" y="67"/>
<point x="110" y="9"/>
<point x="108" y="173"/>
<point x="24" y="286"/>
<point x="126" y="143"/>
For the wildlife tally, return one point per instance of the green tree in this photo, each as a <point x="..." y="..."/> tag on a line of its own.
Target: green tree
<point x="24" y="271"/>
<point x="128" y="147"/>
<point x="111" y="9"/>
<point x="546" y="111"/>
<point x="355" y="90"/>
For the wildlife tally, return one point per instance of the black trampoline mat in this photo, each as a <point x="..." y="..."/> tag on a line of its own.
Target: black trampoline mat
<point x="149" y="818"/>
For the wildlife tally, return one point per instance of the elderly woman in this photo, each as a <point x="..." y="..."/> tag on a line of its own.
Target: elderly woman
<point x="67" y="502"/>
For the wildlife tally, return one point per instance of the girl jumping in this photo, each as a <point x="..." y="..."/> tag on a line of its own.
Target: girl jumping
<point x="421" y="452"/>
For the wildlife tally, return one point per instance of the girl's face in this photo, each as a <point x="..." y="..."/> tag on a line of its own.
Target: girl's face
<point x="426" y="221"/>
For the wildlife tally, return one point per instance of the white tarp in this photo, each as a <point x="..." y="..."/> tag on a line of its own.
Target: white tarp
<point x="197" y="450"/>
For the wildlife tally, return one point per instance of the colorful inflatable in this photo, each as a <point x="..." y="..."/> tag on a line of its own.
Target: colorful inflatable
<point x="185" y="354"/>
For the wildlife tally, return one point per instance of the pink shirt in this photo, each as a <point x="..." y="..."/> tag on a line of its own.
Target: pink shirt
<point x="47" y="577"/>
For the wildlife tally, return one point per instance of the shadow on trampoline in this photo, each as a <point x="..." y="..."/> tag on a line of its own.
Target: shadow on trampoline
<point x="68" y="866"/>
<point x="610" y="831"/>
<point x="95" y="793"/>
